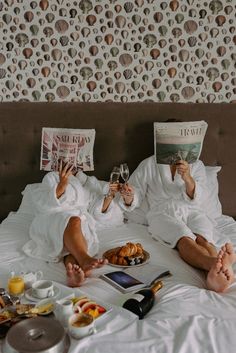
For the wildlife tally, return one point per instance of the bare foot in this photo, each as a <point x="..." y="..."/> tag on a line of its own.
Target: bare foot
<point x="75" y="275"/>
<point x="90" y="263"/>
<point x="229" y="256"/>
<point x="221" y="274"/>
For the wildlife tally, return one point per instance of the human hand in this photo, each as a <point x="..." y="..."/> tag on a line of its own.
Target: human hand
<point x="127" y="192"/>
<point x="113" y="189"/>
<point x="183" y="169"/>
<point x="64" y="173"/>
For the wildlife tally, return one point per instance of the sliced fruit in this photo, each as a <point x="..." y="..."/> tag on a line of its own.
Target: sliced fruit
<point x="76" y="299"/>
<point x="89" y="304"/>
<point x="93" y="312"/>
<point x="82" y="301"/>
<point x="101" y="309"/>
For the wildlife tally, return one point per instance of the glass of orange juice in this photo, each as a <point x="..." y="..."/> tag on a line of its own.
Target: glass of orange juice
<point x="16" y="285"/>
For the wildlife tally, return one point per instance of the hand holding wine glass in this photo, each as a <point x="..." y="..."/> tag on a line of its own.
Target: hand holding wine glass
<point x="114" y="181"/>
<point x="115" y="175"/>
<point x="127" y="190"/>
<point x="124" y="172"/>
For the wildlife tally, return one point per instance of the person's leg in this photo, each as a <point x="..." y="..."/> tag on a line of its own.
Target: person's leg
<point x="76" y="245"/>
<point x="194" y="254"/>
<point x="219" y="267"/>
<point x="201" y="241"/>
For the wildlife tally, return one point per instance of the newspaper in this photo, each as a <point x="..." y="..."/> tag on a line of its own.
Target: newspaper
<point x="178" y="140"/>
<point x="67" y="145"/>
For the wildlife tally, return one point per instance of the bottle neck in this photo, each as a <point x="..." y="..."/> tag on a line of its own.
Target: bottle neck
<point x="156" y="286"/>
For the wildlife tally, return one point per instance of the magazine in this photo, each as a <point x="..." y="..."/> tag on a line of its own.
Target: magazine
<point x="133" y="278"/>
<point x="73" y="146"/>
<point x="178" y="140"/>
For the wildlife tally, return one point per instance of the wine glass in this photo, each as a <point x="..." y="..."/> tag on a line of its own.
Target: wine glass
<point x="124" y="172"/>
<point x="114" y="177"/>
<point x="115" y="174"/>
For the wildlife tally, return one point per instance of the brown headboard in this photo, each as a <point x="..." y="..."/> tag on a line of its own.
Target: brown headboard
<point x="124" y="132"/>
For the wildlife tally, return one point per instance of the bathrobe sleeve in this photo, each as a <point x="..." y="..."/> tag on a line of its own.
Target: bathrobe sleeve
<point x="198" y="173"/>
<point x="45" y="199"/>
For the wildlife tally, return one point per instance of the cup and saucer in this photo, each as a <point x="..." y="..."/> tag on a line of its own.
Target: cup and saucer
<point x="42" y="289"/>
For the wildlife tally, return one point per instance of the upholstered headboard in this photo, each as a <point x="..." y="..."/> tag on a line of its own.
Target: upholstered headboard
<point x="124" y="132"/>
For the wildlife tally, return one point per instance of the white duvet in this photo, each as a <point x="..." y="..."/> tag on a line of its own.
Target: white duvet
<point x="185" y="318"/>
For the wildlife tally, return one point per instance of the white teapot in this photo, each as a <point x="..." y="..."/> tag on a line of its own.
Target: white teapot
<point x="31" y="277"/>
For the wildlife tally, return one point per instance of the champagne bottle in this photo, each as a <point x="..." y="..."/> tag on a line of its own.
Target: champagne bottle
<point x="142" y="301"/>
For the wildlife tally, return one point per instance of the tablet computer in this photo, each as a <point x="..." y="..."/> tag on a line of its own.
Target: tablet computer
<point x="122" y="281"/>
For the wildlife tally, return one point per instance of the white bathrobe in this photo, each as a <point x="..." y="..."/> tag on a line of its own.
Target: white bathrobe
<point x="172" y="213"/>
<point x="83" y="198"/>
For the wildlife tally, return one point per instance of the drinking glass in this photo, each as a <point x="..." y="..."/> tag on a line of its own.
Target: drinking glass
<point x="16" y="285"/>
<point x="115" y="174"/>
<point x="124" y="172"/>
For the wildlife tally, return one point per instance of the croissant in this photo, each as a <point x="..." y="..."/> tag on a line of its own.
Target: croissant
<point x="112" y="252"/>
<point x="139" y="249"/>
<point x="122" y="261"/>
<point x="112" y="259"/>
<point x="129" y="249"/>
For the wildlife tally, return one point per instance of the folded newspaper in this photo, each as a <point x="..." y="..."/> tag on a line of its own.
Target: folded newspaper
<point x="178" y="140"/>
<point x="73" y="146"/>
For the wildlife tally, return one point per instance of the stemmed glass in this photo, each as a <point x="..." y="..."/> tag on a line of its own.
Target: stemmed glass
<point x="124" y="172"/>
<point x="114" y="177"/>
<point x="115" y="174"/>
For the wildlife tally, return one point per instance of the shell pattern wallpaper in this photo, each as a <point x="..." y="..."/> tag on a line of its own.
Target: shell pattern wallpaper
<point x="118" y="50"/>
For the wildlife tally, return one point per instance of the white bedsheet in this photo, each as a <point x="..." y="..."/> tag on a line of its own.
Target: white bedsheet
<point x="185" y="318"/>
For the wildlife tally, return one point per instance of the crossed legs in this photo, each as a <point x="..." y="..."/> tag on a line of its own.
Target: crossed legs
<point x="203" y="255"/>
<point x="78" y="263"/>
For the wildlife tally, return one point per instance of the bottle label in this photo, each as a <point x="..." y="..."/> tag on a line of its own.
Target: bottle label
<point x="138" y="297"/>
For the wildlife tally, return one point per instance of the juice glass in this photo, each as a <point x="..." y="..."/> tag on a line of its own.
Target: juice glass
<point x="16" y="285"/>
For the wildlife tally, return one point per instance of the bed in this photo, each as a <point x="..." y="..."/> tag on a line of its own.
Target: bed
<point x="186" y="317"/>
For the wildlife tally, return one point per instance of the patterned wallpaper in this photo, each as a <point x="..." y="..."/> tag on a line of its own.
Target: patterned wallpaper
<point x="117" y="50"/>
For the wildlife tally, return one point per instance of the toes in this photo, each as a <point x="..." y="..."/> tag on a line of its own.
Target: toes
<point x="69" y="267"/>
<point x="220" y="254"/>
<point x="229" y="248"/>
<point x="227" y="274"/>
<point x="218" y="266"/>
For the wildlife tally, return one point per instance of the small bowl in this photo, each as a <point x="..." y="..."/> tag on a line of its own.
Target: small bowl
<point x="81" y="325"/>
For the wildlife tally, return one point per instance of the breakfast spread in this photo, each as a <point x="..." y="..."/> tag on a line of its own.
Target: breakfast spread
<point x="128" y="255"/>
<point x="81" y="307"/>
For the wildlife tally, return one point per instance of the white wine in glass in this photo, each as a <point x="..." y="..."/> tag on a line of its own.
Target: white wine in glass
<point x="124" y="172"/>
<point x="115" y="175"/>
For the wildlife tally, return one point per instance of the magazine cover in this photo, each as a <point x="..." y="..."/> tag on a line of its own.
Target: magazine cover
<point x="67" y="145"/>
<point x="178" y="140"/>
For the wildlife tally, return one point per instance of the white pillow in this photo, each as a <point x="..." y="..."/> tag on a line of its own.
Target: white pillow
<point x="214" y="210"/>
<point x="27" y="205"/>
<point x="214" y="206"/>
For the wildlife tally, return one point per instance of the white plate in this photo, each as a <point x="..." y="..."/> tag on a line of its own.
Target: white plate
<point x="29" y="295"/>
<point x="44" y="302"/>
<point x="145" y="260"/>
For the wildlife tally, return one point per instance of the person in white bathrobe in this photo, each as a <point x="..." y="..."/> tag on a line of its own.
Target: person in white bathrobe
<point x="177" y="217"/>
<point x="67" y="214"/>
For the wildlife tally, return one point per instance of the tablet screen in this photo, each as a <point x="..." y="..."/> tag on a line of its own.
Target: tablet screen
<point x="123" y="279"/>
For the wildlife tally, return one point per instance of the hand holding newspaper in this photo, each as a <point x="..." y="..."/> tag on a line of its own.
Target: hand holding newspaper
<point x="175" y="141"/>
<point x="73" y="146"/>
